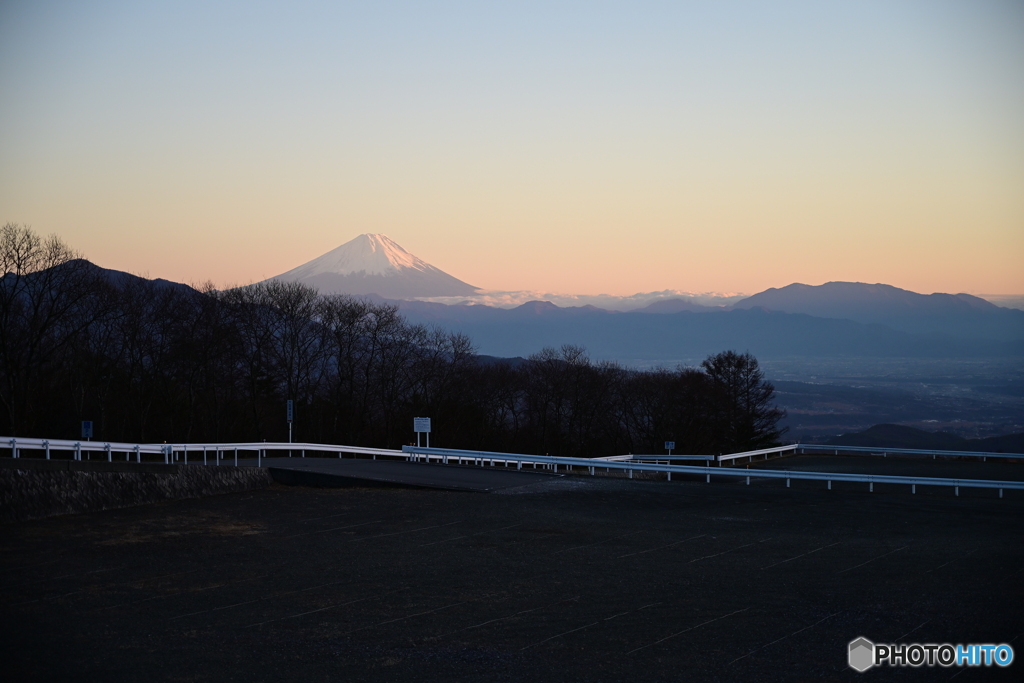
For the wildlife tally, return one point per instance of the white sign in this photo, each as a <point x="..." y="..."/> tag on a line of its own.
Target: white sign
<point x="421" y="424"/>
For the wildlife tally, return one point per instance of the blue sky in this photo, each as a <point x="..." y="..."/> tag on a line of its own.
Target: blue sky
<point x="576" y="147"/>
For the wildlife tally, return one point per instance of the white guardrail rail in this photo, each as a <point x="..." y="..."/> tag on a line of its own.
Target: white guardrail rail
<point x="218" y="452"/>
<point x="180" y="452"/>
<point x="482" y="458"/>
<point x="802" y="448"/>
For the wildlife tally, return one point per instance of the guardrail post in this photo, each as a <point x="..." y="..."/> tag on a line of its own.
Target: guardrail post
<point x="829" y="484"/>
<point x="78" y="451"/>
<point x="216" y="455"/>
<point x="185" y="448"/>
<point x="748" y="481"/>
<point x="956" y="490"/>
<point x="630" y="473"/>
<point x="591" y="470"/>
<point x="167" y="455"/>
<point x="46" y="445"/>
<point x="913" y="488"/>
<point x="787" y="482"/>
<point x="236" y="457"/>
<point x="871" y="487"/>
<point x="1000" y="493"/>
<point x="204" y="455"/>
<point x="14" y="448"/>
<point x="259" y="458"/>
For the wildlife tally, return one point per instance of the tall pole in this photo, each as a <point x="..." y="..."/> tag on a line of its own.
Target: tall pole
<point x="291" y="417"/>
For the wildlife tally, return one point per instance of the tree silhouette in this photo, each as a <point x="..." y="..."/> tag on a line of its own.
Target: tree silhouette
<point x="743" y="411"/>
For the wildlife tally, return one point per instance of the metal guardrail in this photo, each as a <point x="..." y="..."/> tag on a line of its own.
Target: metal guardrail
<point x="668" y="458"/>
<point x="77" y="448"/>
<point x="907" y="451"/>
<point x="751" y="454"/>
<point x="481" y="457"/>
<point x="836" y="450"/>
<point x="174" y="452"/>
<point x="627" y="463"/>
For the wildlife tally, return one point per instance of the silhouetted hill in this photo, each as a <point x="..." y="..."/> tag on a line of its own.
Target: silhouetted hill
<point x="121" y="279"/>
<point x="956" y="315"/>
<point x="899" y="436"/>
<point x="87" y="270"/>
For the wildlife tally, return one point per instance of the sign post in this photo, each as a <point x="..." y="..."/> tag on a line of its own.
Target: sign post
<point x="86" y="429"/>
<point x="669" y="445"/>
<point x="291" y="418"/>
<point x="422" y="426"/>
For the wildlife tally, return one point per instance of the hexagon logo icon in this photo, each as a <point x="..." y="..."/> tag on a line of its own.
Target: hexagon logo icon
<point x="861" y="654"/>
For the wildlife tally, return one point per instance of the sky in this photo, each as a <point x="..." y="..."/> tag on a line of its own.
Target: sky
<point x="579" y="147"/>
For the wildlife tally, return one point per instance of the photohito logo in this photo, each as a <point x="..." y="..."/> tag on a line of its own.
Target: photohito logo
<point x="862" y="654"/>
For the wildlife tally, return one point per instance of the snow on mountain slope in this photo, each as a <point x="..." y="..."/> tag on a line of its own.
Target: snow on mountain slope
<point x="376" y="264"/>
<point x="370" y="254"/>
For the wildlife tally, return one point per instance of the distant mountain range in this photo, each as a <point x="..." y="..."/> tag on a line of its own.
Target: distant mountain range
<point x="838" y="319"/>
<point x="960" y="315"/>
<point x="833" y="374"/>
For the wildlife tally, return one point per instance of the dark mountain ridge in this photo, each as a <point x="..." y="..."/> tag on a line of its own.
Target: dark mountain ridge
<point x="957" y="315"/>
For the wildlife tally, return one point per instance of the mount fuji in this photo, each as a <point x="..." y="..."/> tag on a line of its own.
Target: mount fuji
<point x="376" y="264"/>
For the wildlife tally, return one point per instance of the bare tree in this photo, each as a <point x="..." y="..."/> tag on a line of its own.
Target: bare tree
<point x="49" y="295"/>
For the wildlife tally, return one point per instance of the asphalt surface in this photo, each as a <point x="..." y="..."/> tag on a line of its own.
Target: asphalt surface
<point x="572" y="579"/>
<point x="397" y="473"/>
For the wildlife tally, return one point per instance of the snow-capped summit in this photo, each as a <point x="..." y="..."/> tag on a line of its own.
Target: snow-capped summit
<point x="376" y="264"/>
<point x="369" y="254"/>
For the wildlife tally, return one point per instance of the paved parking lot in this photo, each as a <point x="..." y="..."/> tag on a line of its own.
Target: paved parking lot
<point x="588" y="579"/>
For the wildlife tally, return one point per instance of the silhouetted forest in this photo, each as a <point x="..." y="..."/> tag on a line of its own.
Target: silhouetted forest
<point x="152" y="361"/>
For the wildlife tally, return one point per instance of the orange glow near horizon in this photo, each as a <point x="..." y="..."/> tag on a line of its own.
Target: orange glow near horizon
<point x="614" y="152"/>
